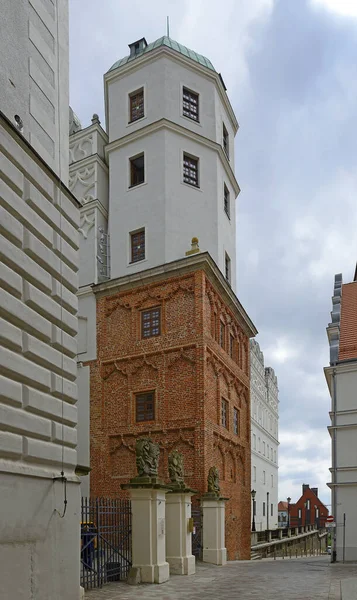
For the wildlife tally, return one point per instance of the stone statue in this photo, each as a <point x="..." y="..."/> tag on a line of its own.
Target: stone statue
<point x="213" y="481"/>
<point x="147" y="457"/>
<point x="176" y="467"/>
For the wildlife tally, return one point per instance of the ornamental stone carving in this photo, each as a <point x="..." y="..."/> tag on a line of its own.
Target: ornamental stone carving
<point x="176" y="468"/>
<point x="147" y="457"/>
<point x="213" y="482"/>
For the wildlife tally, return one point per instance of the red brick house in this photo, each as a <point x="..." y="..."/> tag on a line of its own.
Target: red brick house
<point x="173" y="364"/>
<point x="308" y="510"/>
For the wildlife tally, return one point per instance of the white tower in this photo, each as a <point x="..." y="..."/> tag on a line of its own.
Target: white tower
<point x="171" y="159"/>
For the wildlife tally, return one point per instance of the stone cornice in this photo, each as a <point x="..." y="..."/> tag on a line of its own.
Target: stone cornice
<point x="83" y="133"/>
<point x="91" y="205"/>
<point x="189" y="264"/>
<point x="88" y="161"/>
<point x="144" y="59"/>
<point x="166" y="124"/>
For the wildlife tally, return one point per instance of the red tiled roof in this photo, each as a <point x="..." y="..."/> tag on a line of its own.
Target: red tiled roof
<point x="348" y="325"/>
<point x="282" y="505"/>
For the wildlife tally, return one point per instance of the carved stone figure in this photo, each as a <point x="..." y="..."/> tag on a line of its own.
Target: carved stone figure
<point x="213" y="481"/>
<point x="176" y="467"/>
<point x="147" y="457"/>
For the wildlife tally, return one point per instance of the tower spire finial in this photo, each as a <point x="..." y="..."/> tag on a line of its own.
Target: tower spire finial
<point x="168" y="26"/>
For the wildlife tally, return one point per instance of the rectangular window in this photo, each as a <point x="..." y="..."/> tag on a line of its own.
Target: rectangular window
<point x="254" y="473"/>
<point x="231" y="345"/>
<point x="137" y="171"/>
<point x="263" y="509"/>
<point x="190" y="170"/>
<point x="263" y="448"/>
<point x="145" y="406"/>
<point x="136" y="102"/>
<point x="227" y="267"/>
<point x="264" y="477"/>
<point x="227" y="203"/>
<point x="254" y="441"/>
<point x="272" y="480"/>
<point x="222" y="335"/>
<point x="224" y="413"/>
<point x="272" y="510"/>
<point x="225" y="140"/>
<point x="299" y="513"/>
<point x="236" y="421"/>
<point x="190" y="107"/>
<point x="150" y="322"/>
<point x="271" y="453"/>
<point x="137" y="245"/>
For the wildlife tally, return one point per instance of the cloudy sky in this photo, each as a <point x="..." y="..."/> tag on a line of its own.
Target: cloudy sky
<point x="291" y="73"/>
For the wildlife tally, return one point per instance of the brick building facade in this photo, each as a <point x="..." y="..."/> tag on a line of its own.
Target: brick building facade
<point x="308" y="510"/>
<point x="197" y="368"/>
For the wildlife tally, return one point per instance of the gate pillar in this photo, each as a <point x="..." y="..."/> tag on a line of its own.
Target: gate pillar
<point x="179" y="526"/>
<point x="148" y="535"/>
<point x="213" y="509"/>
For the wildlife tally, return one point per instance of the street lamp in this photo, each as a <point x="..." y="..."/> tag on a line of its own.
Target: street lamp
<point x="252" y="493"/>
<point x="289" y="500"/>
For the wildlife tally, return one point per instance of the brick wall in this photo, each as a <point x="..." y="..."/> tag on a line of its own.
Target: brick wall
<point x="190" y="373"/>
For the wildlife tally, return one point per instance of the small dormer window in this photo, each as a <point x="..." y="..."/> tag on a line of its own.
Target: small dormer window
<point x="137" y="47"/>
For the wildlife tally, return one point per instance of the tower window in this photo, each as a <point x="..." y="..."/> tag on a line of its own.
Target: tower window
<point x="227" y="202"/>
<point x="150" y="322"/>
<point x="224" y="413"/>
<point x="137" y="171"/>
<point x="236" y="421"/>
<point x="190" y="107"/>
<point x="145" y="406"/>
<point x="225" y="140"/>
<point x="190" y="170"/>
<point x="137" y="240"/>
<point x="136" y="103"/>
<point x="227" y="268"/>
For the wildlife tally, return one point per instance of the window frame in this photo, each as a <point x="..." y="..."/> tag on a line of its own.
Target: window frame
<point x="227" y="201"/>
<point x="224" y="413"/>
<point x="222" y="334"/>
<point x="132" y="234"/>
<point x="186" y="156"/>
<point x="131" y="162"/>
<point x="225" y="140"/>
<point x="193" y="93"/>
<point x="131" y="95"/>
<point x="236" y="421"/>
<point x="227" y="264"/>
<point x="142" y="313"/>
<point x="137" y="395"/>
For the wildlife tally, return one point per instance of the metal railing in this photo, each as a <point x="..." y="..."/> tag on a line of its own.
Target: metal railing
<point x="105" y="541"/>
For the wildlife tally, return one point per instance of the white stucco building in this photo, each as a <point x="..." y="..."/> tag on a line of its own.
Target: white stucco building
<point x="341" y="376"/>
<point x="264" y="442"/>
<point x="161" y="174"/>
<point x="39" y="489"/>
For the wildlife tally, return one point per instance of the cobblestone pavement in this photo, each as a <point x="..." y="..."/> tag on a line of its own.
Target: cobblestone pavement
<point x="311" y="578"/>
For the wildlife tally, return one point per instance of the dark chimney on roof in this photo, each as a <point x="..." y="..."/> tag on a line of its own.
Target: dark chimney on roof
<point x="305" y="486"/>
<point x="315" y="491"/>
<point x="137" y="47"/>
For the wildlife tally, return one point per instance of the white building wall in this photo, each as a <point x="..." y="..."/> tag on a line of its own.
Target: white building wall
<point x="171" y="211"/>
<point x="264" y="442"/>
<point x="39" y="550"/>
<point x="34" y="75"/>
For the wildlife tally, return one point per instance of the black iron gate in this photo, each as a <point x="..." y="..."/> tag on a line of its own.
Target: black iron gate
<point x="197" y="538"/>
<point x="105" y="541"/>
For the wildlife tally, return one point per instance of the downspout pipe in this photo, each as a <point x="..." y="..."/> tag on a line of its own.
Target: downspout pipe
<point x="334" y="463"/>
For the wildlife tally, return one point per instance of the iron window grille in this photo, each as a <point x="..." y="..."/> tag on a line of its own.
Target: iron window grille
<point x="190" y="104"/>
<point x="190" y="170"/>
<point x="137" y="246"/>
<point x="227" y="204"/>
<point x="136" y="100"/>
<point x="137" y="170"/>
<point x="236" y="421"/>
<point x="225" y="140"/>
<point x="145" y="407"/>
<point x="224" y="413"/>
<point x="150" y="322"/>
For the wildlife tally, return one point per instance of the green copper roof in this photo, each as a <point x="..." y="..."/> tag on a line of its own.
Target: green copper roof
<point x="166" y="41"/>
